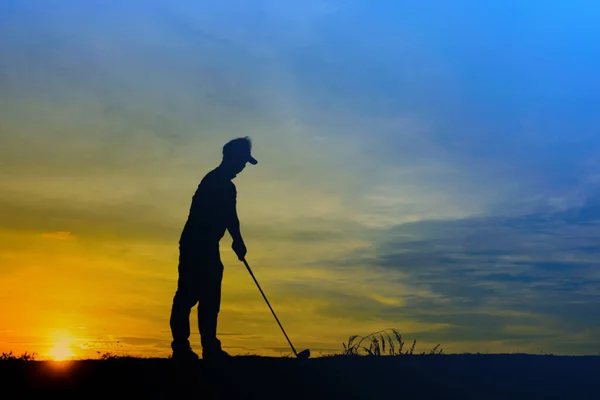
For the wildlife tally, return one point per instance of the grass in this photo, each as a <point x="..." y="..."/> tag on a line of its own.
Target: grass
<point x="387" y="342"/>
<point x="13" y="357"/>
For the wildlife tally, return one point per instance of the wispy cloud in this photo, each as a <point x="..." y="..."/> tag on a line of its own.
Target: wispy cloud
<point x="58" y="235"/>
<point x="533" y="275"/>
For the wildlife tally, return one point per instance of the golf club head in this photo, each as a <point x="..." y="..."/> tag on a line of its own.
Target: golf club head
<point x="304" y="354"/>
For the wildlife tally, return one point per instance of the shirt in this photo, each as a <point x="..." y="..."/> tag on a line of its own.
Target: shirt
<point x="212" y="209"/>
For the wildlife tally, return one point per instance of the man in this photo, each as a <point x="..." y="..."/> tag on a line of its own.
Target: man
<point x="213" y="211"/>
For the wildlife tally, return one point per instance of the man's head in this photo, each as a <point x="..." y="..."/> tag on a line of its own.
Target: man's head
<point x="236" y="153"/>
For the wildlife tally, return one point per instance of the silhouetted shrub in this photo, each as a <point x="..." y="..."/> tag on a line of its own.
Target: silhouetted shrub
<point x="381" y="343"/>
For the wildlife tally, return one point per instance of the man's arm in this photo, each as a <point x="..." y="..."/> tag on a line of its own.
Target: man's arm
<point x="233" y="226"/>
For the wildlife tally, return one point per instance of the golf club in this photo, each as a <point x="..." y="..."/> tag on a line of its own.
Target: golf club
<point x="303" y="353"/>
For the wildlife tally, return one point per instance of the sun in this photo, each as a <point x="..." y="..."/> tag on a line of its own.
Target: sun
<point x="61" y="350"/>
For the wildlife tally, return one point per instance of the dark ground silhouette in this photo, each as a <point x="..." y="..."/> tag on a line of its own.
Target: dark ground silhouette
<point x="359" y="377"/>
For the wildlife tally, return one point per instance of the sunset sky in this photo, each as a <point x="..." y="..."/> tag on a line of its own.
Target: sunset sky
<point x="429" y="166"/>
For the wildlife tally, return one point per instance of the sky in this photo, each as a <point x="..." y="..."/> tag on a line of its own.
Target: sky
<point x="426" y="166"/>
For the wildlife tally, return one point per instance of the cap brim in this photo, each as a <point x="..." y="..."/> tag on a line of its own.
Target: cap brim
<point x="252" y="160"/>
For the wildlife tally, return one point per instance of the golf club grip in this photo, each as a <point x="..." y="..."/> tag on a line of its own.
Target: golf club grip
<point x="270" y="308"/>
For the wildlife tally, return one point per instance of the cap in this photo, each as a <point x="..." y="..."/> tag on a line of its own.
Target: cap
<point x="240" y="148"/>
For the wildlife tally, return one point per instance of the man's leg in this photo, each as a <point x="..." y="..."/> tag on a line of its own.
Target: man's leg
<point x="209" y="304"/>
<point x="185" y="298"/>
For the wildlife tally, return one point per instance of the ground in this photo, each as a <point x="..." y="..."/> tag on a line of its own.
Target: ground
<point x="344" y="377"/>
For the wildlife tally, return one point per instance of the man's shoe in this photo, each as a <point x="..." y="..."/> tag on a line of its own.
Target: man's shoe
<point x="185" y="355"/>
<point x="215" y="355"/>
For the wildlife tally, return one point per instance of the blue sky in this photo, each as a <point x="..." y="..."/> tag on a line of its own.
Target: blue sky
<point x="431" y="167"/>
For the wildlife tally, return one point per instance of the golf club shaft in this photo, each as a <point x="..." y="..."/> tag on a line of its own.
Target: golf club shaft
<point x="271" y="308"/>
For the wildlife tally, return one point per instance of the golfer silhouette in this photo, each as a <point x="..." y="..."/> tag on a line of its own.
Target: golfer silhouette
<point x="212" y="212"/>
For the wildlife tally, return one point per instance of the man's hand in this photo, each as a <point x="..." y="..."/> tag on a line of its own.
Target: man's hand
<point x="239" y="248"/>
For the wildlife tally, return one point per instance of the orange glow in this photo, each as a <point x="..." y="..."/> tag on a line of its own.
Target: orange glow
<point x="62" y="350"/>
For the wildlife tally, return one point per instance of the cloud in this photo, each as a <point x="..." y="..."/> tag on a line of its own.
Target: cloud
<point x="58" y="235"/>
<point x="539" y="268"/>
<point x="141" y="341"/>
